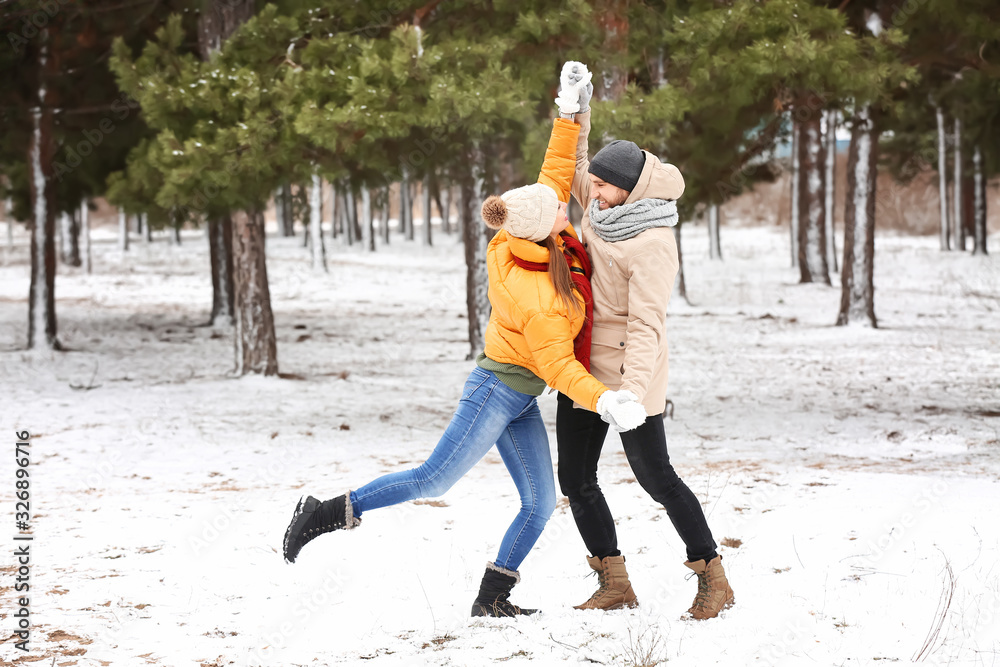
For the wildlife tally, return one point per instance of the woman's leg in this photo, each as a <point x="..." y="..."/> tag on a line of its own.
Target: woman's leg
<point x="524" y="448"/>
<point x="483" y="413"/>
<point x="646" y="449"/>
<point x="580" y="436"/>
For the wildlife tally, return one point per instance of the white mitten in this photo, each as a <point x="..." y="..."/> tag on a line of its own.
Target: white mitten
<point x="621" y="409"/>
<point x="574" y="80"/>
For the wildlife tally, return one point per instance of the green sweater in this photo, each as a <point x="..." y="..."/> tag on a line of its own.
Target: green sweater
<point x="516" y="377"/>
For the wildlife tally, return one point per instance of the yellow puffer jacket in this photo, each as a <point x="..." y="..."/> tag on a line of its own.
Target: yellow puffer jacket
<point x="530" y="325"/>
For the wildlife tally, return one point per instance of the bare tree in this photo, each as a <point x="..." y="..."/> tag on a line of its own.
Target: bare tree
<point x="857" y="296"/>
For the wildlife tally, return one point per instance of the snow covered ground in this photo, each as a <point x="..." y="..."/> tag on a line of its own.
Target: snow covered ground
<point x="855" y="473"/>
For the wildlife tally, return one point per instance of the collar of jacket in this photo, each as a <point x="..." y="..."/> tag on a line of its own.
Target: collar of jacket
<point x="529" y="251"/>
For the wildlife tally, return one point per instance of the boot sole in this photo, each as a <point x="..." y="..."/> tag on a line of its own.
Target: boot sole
<point x="303" y="510"/>
<point x="481" y="611"/>
<point x="619" y="605"/>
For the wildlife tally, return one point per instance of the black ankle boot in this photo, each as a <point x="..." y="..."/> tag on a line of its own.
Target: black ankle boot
<point x="312" y="518"/>
<point x="493" y="594"/>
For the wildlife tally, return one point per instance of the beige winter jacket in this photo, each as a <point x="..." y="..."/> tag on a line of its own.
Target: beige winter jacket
<point x="632" y="283"/>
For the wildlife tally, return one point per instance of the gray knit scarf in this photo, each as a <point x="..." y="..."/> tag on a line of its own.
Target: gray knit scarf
<point x="618" y="223"/>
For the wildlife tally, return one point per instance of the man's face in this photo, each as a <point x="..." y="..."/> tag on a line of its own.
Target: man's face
<point x="607" y="195"/>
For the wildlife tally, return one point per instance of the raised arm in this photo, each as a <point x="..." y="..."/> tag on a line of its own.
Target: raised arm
<point x="559" y="166"/>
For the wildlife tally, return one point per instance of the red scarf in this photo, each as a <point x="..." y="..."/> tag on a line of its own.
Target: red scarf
<point x="581" y="281"/>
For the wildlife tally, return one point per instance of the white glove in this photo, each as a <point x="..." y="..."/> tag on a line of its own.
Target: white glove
<point x="575" y="88"/>
<point x="621" y="409"/>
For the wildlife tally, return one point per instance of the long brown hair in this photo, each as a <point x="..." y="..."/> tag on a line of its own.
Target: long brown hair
<point x="559" y="274"/>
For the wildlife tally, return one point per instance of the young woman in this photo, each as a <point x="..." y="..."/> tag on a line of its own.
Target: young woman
<point x="534" y="262"/>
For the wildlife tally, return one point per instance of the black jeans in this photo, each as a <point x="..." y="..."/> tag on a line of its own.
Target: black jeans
<point x="580" y="435"/>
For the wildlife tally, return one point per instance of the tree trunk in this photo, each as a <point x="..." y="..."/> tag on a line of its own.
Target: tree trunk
<point x="220" y="245"/>
<point x="425" y="197"/>
<point x="147" y="231"/>
<point x="857" y="296"/>
<point x="218" y="20"/>
<point x="714" y="245"/>
<point x="831" y="182"/>
<point x="337" y="210"/>
<point x="979" y="215"/>
<point x="122" y="230"/>
<point x="350" y="216"/>
<point x="385" y="215"/>
<point x="476" y="237"/>
<point x="943" y="180"/>
<point x="69" y="247"/>
<point x="612" y="21"/>
<point x="256" y="347"/>
<point x="443" y="200"/>
<point x="794" y="217"/>
<point x="41" y="149"/>
<point x="279" y="210"/>
<point x="287" y="226"/>
<point x="957" y="232"/>
<point x="812" y="225"/>
<point x="85" y="236"/>
<point x="367" y="220"/>
<point x="316" y="224"/>
<point x="8" y="216"/>
<point x="175" y="233"/>
<point x="405" y="207"/>
<point x="71" y="236"/>
<point x="682" y="290"/>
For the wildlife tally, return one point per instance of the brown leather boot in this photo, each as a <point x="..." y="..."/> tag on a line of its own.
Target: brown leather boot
<point x="615" y="590"/>
<point x="714" y="592"/>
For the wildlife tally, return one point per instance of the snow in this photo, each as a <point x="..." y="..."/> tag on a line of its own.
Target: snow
<point x="856" y="466"/>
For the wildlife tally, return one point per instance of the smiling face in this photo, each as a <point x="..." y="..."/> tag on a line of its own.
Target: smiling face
<point x="562" y="219"/>
<point x="607" y="195"/>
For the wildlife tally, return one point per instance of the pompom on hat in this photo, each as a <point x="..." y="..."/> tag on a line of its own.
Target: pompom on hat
<point x="527" y="212"/>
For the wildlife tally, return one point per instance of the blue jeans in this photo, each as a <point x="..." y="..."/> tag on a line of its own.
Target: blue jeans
<point x="489" y="413"/>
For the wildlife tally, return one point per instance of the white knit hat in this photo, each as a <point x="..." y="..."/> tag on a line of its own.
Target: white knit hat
<point x="528" y="212"/>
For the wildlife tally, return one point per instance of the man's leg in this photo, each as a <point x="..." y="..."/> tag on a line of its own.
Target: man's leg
<point x="580" y="436"/>
<point x="646" y="449"/>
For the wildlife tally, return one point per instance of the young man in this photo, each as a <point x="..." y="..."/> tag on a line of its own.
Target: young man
<point x="628" y="199"/>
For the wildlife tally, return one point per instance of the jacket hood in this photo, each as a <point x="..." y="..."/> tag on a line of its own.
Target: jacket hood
<point x="658" y="180"/>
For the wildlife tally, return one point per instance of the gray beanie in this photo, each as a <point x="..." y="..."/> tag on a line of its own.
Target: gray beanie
<point x="619" y="163"/>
